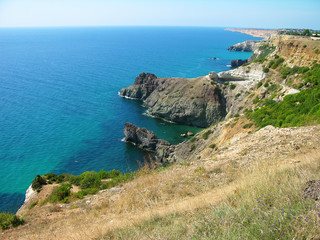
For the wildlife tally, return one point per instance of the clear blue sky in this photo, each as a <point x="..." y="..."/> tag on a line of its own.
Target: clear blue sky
<point x="223" y="13"/>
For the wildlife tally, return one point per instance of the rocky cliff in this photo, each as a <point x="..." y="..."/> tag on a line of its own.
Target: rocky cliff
<point x="193" y="102"/>
<point x="247" y="46"/>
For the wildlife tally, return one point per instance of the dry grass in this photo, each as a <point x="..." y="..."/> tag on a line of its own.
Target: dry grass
<point x="279" y="185"/>
<point x="173" y="203"/>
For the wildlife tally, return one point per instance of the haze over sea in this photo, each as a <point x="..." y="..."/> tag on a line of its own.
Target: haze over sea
<point x="59" y="104"/>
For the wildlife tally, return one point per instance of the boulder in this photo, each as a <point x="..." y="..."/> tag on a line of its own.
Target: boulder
<point x="190" y="134"/>
<point x="312" y="190"/>
<point x="213" y="76"/>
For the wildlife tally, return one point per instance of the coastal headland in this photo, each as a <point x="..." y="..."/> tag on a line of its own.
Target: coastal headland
<point x="244" y="174"/>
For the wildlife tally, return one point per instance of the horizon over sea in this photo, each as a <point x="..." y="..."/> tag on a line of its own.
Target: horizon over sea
<point x="59" y="106"/>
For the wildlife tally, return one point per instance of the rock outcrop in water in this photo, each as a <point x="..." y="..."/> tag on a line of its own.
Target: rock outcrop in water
<point x="142" y="137"/>
<point x="186" y="101"/>
<point x="148" y="140"/>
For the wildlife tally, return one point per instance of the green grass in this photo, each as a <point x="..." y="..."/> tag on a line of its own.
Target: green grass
<point x="295" y="110"/>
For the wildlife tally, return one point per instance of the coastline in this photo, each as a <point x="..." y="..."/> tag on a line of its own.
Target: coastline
<point x="144" y="114"/>
<point x="261" y="33"/>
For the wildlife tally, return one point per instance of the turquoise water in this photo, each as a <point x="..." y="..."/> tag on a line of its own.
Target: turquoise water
<point x="59" y="104"/>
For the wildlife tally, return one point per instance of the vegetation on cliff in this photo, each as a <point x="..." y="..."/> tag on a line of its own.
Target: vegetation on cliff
<point x="298" y="109"/>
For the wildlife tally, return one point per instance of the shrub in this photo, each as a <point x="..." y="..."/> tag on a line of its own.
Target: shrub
<point x="110" y="174"/>
<point x="276" y="63"/>
<point x="236" y="115"/>
<point x="265" y="70"/>
<point x="213" y="146"/>
<point x="37" y="183"/>
<point x="51" y="177"/>
<point x="193" y="139"/>
<point x="233" y="86"/>
<point x="61" y="194"/>
<point x="266" y="84"/>
<point x="256" y="100"/>
<point x="192" y="147"/>
<point x="206" y="134"/>
<point x="259" y="60"/>
<point x="89" y="180"/>
<point x="82" y="193"/>
<point x="259" y="85"/>
<point x="8" y="220"/>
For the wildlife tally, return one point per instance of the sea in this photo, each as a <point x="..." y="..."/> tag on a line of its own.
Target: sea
<point x="60" y="110"/>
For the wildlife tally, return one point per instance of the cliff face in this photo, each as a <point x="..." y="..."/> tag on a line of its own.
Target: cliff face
<point x="297" y="50"/>
<point x="247" y="46"/>
<point x="187" y="101"/>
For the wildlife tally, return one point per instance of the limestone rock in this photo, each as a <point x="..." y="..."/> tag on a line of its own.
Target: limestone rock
<point x="187" y="101"/>
<point x="213" y="76"/>
<point x="247" y="46"/>
<point x="190" y="134"/>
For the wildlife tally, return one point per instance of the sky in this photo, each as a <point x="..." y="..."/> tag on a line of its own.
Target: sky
<point x="215" y="13"/>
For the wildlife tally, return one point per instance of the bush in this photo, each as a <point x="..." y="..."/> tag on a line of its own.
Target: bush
<point x="265" y="70"/>
<point x="213" y="146"/>
<point x="89" y="180"/>
<point x="259" y="60"/>
<point x="82" y="193"/>
<point x="61" y="194"/>
<point x="206" y="134"/>
<point x="110" y="174"/>
<point x="276" y="63"/>
<point x="266" y="84"/>
<point x="192" y="147"/>
<point x="259" y="85"/>
<point x="8" y="220"/>
<point x="233" y="86"/>
<point x="37" y="183"/>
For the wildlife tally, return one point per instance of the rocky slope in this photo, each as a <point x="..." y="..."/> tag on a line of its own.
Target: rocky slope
<point x="187" y="101"/>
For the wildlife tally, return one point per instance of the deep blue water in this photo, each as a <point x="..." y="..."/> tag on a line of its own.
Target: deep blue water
<point x="59" y="104"/>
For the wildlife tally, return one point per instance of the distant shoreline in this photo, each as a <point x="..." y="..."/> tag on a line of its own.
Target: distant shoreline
<point x="261" y="33"/>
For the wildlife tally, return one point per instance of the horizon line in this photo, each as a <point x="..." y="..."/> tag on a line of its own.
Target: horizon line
<point x="83" y="26"/>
